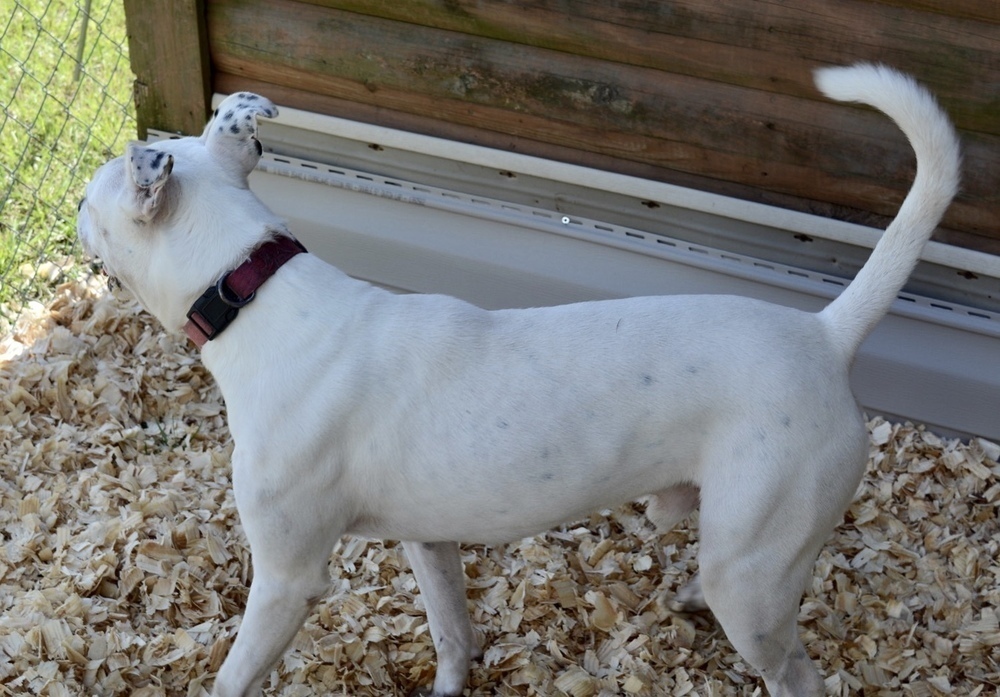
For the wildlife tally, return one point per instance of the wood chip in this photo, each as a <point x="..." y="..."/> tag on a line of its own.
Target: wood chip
<point x="123" y="569"/>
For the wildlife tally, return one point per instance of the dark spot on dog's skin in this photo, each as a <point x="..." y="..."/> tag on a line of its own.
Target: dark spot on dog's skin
<point x="501" y="423"/>
<point x="234" y="129"/>
<point x="548" y="477"/>
<point x="786" y="421"/>
<point x="691" y="370"/>
<point x="248" y="118"/>
<point x="229" y="115"/>
<point x="157" y="160"/>
<point x="647" y="380"/>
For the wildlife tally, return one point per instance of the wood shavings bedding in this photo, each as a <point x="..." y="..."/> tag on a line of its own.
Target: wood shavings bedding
<point x="123" y="569"/>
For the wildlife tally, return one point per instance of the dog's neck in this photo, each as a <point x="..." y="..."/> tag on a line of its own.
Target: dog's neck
<point x="220" y="304"/>
<point x="195" y="250"/>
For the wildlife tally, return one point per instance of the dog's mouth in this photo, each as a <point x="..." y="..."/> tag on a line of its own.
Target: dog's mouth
<point x="113" y="281"/>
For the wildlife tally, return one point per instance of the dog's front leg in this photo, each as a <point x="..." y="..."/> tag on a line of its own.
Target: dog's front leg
<point x="441" y="579"/>
<point x="290" y="554"/>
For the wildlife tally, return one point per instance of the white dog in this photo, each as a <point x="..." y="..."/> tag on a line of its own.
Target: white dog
<point x="425" y="419"/>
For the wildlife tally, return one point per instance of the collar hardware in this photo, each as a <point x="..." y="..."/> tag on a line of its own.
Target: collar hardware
<point x="234" y="302"/>
<point x="219" y="305"/>
<point x="210" y="314"/>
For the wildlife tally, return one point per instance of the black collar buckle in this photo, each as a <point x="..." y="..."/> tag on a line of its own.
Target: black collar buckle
<point x="216" y="309"/>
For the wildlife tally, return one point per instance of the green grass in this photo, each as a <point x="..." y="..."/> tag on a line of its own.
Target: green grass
<point x="55" y="130"/>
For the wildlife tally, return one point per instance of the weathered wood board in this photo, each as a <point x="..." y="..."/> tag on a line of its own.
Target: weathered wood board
<point x="716" y="96"/>
<point x="168" y="49"/>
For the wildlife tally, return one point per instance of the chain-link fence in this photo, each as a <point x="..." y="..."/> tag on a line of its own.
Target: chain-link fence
<point x="65" y="89"/>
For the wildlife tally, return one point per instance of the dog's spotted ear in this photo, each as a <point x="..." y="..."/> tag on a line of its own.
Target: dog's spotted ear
<point x="148" y="171"/>
<point x="231" y="134"/>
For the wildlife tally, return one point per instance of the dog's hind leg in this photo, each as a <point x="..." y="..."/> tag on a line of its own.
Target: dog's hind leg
<point x="665" y="509"/>
<point x="755" y="596"/>
<point x="672" y="505"/>
<point x="441" y="579"/>
<point x="759" y="541"/>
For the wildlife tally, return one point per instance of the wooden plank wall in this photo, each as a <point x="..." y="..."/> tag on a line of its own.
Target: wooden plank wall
<point x="712" y="94"/>
<point x="168" y="50"/>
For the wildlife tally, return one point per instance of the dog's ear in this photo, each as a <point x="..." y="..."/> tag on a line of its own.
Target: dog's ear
<point x="231" y="134"/>
<point x="148" y="171"/>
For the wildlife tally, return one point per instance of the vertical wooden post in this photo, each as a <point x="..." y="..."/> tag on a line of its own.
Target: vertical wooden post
<point x="168" y="50"/>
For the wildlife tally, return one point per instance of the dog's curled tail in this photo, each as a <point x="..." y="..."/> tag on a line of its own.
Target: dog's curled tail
<point x="853" y="315"/>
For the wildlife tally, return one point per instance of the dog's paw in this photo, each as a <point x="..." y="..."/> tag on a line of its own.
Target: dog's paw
<point x="688" y="600"/>
<point x="429" y="692"/>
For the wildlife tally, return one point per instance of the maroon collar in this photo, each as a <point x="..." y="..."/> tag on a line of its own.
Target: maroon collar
<point x="219" y="305"/>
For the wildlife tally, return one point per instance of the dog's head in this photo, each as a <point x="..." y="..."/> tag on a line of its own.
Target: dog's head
<point x="168" y="219"/>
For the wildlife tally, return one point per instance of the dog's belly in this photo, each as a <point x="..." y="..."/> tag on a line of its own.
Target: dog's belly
<point x="491" y="470"/>
<point x="489" y="504"/>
